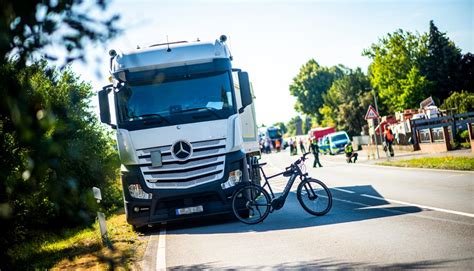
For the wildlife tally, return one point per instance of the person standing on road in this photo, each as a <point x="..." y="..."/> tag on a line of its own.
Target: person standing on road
<point x="267" y="145"/>
<point x="291" y="146"/>
<point x="303" y="150"/>
<point x="295" y="147"/>
<point x="277" y="145"/>
<point x="388" y="135"/>
<point x="315" y="150"/>
<point x="348" y="149"/>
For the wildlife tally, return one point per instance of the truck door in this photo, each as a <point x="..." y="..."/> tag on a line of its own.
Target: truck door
<point x="247" y="119"/>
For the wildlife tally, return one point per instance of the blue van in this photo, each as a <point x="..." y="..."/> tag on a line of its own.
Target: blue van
<point x="334" y="143"/>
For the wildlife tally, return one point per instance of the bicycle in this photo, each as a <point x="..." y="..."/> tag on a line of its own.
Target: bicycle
<point x="251" y="203"/>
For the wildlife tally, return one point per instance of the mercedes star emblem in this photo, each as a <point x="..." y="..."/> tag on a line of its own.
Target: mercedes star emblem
<point x="181" y="150"/>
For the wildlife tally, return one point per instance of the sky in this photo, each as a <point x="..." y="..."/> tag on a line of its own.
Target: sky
<point x="273" y="39"/>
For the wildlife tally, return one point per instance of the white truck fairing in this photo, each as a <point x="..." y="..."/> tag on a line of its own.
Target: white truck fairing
<point x="179" y="55"/>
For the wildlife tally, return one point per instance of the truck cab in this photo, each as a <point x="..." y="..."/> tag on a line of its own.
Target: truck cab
<point x="185" y="127"/>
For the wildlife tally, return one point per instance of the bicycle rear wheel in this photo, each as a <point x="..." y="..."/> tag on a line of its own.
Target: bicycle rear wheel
<point x="314" y="197"/>
<point x="251" y="204"/>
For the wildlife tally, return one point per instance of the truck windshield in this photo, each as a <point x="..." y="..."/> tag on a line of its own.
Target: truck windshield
<point x="207" y="96"/>
<point x="274" y="133"/>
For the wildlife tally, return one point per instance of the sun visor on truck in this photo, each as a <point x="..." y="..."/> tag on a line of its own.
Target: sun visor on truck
<point x="177" y="73"/>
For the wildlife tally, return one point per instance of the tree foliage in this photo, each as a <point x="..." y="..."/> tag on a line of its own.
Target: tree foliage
<point x="74" y="154"/>
<point x="441" y="64"/>
<point x="346" y="101"/>
<point x="467" y="73"/>
<point x="408" y="67"/>
<point x="51" y="145"/>
<point x="292" y="125"/>
<point x="28" y="27"/>
<point x="396" y="68"/>
<point x="460" y="102"/>
<point x="309" y="86"/>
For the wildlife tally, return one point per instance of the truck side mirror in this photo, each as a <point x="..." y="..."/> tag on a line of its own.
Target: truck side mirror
<point x="245" y="91"/>
<point x="104" y="106"/>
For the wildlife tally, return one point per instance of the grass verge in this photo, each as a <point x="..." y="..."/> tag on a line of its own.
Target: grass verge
<point x="448" y="162"/>
<point x="82" y="249"/>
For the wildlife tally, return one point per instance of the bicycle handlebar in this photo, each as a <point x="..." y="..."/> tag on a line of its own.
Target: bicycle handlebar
<point x="301" y="159"/>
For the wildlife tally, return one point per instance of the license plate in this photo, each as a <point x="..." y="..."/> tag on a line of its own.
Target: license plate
<point x="189" y="210"/>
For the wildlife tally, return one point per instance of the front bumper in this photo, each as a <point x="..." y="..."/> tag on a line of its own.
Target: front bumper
<point x="162" y="207"/>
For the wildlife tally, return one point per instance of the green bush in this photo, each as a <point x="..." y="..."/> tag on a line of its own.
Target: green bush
<point x="460" y="102"/>
<point x="464" y="135"/>
<point x="72" y="153"/>
<point x="466" y="145"/>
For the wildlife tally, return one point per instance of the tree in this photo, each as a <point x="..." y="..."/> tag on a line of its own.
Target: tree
<point x="307" y="125"/>
<point x="74" y="153"/>
<point x="34" y="127"/>
<point x="346" y="101"/>
<point x="28" y="27"/>
<point x="395" y="70"/>
<point x="292" y="125"/>
<point x="459" y="102"/>
<point x="441" y="64"/>
<point x="467" y="73"/>
<point x="310" y="85"/>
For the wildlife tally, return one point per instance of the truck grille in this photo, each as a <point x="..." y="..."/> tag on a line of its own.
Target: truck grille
<point x="206" y="164"/>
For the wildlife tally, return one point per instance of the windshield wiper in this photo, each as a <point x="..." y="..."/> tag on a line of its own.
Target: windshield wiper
<point x="154" y="115"/>
<point x="209" y="109"/>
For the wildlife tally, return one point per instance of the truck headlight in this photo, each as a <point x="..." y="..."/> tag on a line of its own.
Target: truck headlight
<point x="234" y="178"/>
<point x="137" y="192"/>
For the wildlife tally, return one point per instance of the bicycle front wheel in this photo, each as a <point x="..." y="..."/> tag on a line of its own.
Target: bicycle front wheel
<point x="251" y="204"/>
<point x="314" y="197"/>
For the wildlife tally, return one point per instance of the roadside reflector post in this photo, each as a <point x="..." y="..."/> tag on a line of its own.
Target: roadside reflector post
<point x="101" y="219"/>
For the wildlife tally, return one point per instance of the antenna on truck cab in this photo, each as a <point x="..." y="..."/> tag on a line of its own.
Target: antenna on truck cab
<point x="168" y="43"/>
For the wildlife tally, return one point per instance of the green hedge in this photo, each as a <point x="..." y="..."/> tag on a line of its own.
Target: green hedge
<point x="54" y="150"/>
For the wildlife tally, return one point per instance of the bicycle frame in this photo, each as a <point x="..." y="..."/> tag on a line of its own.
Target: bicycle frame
<point x="295" y="171"/>
<point x="254" y="194"/>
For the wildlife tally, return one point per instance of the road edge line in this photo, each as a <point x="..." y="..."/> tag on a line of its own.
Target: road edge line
<point x="161" y="251"/>
<point x="343" y="190"/>
<point x="420" y="206"/>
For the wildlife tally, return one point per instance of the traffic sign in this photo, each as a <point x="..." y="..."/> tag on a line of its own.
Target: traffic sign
<point x="371" y="113"/>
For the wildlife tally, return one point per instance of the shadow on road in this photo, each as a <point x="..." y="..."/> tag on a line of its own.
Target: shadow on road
<point x="329" y="264"/>
<point x="347" y="208"/>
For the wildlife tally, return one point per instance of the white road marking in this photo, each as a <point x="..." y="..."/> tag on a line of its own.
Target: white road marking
<point x="161" y="251"/>
<point x="370" y="207"/>
<point x="420" y="206"/>
<point x="343" y="190"/>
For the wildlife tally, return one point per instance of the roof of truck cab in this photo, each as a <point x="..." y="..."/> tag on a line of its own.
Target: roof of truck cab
<point x="154" y="57"/>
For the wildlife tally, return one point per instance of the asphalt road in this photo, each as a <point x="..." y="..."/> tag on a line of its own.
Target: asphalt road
<point x="382" y="217"/>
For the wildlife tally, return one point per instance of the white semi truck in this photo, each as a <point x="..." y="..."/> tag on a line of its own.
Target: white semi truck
<point x="185" y="126"/>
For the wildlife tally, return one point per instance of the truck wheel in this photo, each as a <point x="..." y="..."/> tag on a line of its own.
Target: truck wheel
<point x="139" y="229"/>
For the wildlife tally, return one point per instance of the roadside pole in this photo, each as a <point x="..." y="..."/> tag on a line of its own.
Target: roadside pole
<point x="379" y="119"/>
<point x="101" y="219"/>
<point x="376" y="144"/>
<point x="373" y="113"/>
